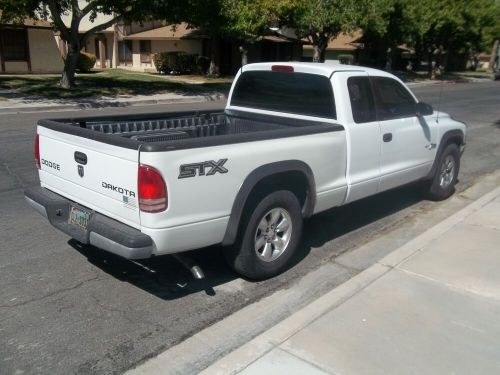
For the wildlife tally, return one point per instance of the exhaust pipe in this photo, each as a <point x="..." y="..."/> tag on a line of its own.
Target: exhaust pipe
<point x="190" y="265"/>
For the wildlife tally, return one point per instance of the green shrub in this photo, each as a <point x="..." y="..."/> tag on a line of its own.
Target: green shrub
<point x="160" y="62"/>
<point x="175" y="62"/>
<point x="86" y="61"/>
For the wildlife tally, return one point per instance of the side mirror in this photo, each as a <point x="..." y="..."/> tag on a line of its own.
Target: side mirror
<point x="423" y="109"/>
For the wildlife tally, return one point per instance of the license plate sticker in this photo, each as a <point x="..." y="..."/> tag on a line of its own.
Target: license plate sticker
<point x="79" y="217"/>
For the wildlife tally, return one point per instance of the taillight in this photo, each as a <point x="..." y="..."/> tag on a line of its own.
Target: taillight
<point x="37" y="151"/>
<point x="282" y="68"/>
<point x="152" y="190"/>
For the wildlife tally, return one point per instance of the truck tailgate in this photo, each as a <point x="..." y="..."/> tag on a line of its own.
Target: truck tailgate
<point x="96" y="175"/>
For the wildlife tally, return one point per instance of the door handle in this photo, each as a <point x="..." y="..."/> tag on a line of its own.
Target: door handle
<point x="387" y="137"/>
<point x="430" y="146"/>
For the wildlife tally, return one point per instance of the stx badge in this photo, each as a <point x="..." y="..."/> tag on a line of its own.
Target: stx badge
<point x="190" y="170"/>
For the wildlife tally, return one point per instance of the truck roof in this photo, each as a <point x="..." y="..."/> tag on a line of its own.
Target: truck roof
<point x="325" y="69"/>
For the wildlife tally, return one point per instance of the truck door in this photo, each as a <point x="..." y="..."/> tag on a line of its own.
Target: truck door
<point x="408" y="142"/>
<point x="363" y="134"/>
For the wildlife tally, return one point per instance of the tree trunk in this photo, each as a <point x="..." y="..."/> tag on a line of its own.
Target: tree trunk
<point x="244" y="55"/>
<point x="68" y="76"/>
<point x="214" y="69"/>
<point x="494" y="54"/>
<point x="316" y="53"/>
<point x="319" y="45"/>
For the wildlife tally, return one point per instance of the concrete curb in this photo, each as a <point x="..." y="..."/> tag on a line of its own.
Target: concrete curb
<point x="256" y="348"/>
<point x="110" y="104"/>
<point x="446" y="82"/>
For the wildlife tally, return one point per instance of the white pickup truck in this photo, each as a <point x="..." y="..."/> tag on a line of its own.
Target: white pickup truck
<point x="295" y="139"/>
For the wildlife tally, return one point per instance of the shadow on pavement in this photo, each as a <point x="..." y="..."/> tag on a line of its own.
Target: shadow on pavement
<point x="343" y="220"/>
<point x="166" y="278"/>
<point x="162" y="276"/>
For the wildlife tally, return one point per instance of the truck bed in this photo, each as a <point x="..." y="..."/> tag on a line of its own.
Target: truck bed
<point x="167" y="131"/>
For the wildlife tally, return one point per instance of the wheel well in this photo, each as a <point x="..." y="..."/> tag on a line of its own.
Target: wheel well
<point x="456" y="139"/>
<point x="292" y="175"/>
<point x="294" y="181"/>
<point x="452" y="137"/>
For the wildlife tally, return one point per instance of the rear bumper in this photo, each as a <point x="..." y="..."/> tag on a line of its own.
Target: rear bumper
<point x="102" y="231"/>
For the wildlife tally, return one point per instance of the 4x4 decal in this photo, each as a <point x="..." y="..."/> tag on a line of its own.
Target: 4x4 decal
<point x="200" y="169"/>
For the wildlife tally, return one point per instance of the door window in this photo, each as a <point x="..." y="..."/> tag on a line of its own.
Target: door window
<point x="362" y="104"/>
<point x="393" y="99"/>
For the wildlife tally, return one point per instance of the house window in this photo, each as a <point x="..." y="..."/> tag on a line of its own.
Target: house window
<point x="14" y="44"/>
<point x="125" y="50"/>
<point x="145" y="49"/>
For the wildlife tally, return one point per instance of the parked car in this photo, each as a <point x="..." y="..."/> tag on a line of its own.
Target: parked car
<point x="294" y="139"/>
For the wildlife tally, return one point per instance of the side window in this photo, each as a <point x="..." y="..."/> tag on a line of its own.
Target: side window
<point x="393" y="99"/>
<point x="360" y="94"/>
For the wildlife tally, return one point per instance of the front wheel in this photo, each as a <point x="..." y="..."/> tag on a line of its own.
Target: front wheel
<point x="445" y="178"/>
<point x="269" y="238"/>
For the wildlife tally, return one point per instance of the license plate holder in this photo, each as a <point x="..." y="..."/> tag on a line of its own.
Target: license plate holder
<point x="79" y="217"/>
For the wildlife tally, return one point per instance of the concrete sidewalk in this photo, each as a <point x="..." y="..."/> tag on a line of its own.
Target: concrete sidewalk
<point x="432" y="306"/>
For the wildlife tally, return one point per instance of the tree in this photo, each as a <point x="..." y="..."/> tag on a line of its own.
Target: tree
<point x="458" y="27"/>
<point x="322" y="20"/>
<point x="240" y="19"/>
<point x="55" y="10"/>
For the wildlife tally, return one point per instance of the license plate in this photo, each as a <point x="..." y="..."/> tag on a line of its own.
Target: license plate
<point x="79" y="217"/>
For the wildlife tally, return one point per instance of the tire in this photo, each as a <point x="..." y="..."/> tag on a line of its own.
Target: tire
<point x="442" y="185"/>
<point x="261" y="250"/>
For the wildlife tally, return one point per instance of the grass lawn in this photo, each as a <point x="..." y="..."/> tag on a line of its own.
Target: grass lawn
<point x="112" y="82"/>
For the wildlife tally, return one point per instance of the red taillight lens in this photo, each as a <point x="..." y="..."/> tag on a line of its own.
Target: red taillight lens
<point x="37" y="151"/>
<point x="152" y="190"/>
<point x="282" y="68"/>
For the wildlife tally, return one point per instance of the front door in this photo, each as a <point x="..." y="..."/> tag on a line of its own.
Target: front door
<point x="408" y="142"/>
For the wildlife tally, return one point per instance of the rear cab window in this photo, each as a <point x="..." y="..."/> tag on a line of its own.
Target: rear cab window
<point x="287" y="92"/>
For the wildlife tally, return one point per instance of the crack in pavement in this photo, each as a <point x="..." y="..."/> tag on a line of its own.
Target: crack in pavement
<point x="10" y="172"/>
<point x="78" y="285"/>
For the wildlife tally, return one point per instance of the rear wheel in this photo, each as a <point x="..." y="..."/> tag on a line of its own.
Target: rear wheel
<point x="269" y="237"/>
<point x="445" y="178"/>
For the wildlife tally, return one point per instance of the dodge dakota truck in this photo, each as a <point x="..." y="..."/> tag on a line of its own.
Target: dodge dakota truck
<point x="294" y="139"/>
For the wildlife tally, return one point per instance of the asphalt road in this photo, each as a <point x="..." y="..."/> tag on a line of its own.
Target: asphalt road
<point x="71" y="309"/>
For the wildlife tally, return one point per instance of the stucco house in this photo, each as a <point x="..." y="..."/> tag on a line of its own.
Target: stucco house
<point x="29" y="48"/>
<point x="131" y="45"/>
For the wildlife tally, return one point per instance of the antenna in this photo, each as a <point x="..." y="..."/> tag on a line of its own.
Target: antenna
<point x="439" y="103"/>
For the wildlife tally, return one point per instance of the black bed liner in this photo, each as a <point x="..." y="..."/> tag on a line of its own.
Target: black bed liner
<point x="182" y="130"/>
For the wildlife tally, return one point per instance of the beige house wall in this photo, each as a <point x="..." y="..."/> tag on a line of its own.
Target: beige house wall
<point x="157" y="46"/>
<point x="44" y="52"/>
<point x="16" y="67"/>
<point x="189" y="46"/>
